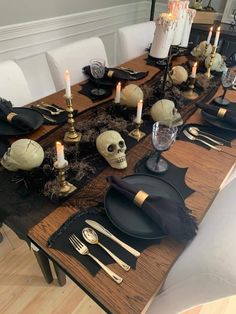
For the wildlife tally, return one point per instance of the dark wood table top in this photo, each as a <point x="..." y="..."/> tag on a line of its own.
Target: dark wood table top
<point x="207" y="169"/>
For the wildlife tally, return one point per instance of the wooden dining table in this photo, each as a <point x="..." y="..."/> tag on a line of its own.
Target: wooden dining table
<point x="207" y="171"/>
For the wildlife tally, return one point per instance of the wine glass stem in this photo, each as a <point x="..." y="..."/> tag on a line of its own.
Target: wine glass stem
<point x="158" y="156"/>
<point x="225" y="90"/>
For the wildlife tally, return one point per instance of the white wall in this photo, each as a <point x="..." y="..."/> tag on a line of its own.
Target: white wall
<point x="19" y="11"/>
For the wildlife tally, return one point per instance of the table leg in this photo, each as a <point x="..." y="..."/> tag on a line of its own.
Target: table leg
<point x="61" y="276"/>
<point x="43" y="263"/>
<point x="1" y="236"/>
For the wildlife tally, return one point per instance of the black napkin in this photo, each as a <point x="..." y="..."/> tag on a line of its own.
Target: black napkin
<point x="50" y="119"/>
<point x="60" y="240"/>
<point x="116" y="74"/>
<point x="172" y="217"/>
<point x="87" y="87"/>
<point x="4" y="144"/>
<point x="228" y="115"/>
<point x="7" y="114"/>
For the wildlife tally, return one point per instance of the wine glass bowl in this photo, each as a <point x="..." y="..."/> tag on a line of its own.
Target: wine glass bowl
<point x="162" y="138"/>
<point x="228" y="79"/>
<point x="97" y="68"/>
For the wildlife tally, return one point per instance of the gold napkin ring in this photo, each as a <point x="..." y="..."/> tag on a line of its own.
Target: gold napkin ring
<point x="221" y="113"/>
<point x="10" y="116"/>
<point x="110" y="73"/>
<point x="140" y="198"/>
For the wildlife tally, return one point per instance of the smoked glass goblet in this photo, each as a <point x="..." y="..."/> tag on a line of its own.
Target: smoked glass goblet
<point x="162" y="138"/>
<point x="228" y="79"/>
<point x="97" y="68"/>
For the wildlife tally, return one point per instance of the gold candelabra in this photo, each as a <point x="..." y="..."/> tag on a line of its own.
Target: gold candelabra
<point x="213" y="53"/>
<point x="66" y="188"/>
<point x="190" y="94"/>
<point x="136" y="133"/>
<point x="205" y="50"/>
<point x="71" y="135"/>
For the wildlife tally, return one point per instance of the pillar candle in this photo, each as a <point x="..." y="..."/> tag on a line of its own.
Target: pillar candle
<point x="209" y="35"/>
<point x="67" y="83"/>
<point x="60" y="155"/>
<point x="194" y="70"/>
<point x="118" y="89"/>
<point x="187" y="27"/>
<point x="139" y="111"/>
<point x="179" y="10"/>
<point x="165" y="28"/>
<point x="217" y="37"/>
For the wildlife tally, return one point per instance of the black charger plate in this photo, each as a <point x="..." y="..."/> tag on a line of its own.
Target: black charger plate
<point x="35" y="118"/>
<point x="127" y="217"/>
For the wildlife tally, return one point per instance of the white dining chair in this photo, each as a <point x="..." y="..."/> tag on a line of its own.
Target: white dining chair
<point x="135" y="39"/>
<point x="13" y="85"/>
<point x="206" y="270"/>
<point x="74" y="57"/>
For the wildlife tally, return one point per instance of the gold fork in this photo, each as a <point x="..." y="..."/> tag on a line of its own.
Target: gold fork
<point x="83" y="250"/>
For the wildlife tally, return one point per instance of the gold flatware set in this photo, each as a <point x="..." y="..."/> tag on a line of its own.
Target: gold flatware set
<point x="91" y="237"/>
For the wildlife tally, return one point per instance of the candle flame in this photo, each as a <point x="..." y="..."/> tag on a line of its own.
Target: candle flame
<point x="218" y="29"/>
<point x="119" y="83"/>
<point x="58" y="143"/>
<point x="211" y="29"/>
<point x="67" y="73"/>
<point x="195" y="64"/>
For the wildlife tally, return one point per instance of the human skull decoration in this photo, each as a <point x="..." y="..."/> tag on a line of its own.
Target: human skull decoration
<point x="201" y="51"/>
<point x="218" y="63"/>
<point x="112" y="147"/>
<point x="130" y="95"/>
<point x="164" y="111"/>
<point x="23" y="154"/>
<point x="178" y="75"/>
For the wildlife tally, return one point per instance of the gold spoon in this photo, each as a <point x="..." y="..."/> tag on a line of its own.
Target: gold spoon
<point x="91" y="237"/>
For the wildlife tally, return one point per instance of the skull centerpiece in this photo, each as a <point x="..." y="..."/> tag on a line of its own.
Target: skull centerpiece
<point x="130" y="95"/>
<point x="218" y="63"/>
<point x="201" y="51"/>
<point x="178" y="75"/>
<point x="112" y="147"/>
<point x="23" y="154"/>
<point x="164" y="111"/>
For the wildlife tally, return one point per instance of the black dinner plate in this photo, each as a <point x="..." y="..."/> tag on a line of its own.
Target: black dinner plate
<point x="127" y="217"/>
<point x="35" y="117"/>
<point x="217" y="122"/>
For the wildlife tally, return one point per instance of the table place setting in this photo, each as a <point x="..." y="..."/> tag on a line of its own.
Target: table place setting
<point x="18" y="121"/>
<point x="102" y="80"/>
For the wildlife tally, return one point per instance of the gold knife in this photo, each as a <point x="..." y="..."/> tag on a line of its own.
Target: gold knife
<point x="107" y="233"/>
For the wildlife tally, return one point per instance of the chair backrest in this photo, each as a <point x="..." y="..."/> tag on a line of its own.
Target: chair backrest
<point x="74" y="57"/>
<point x="13" y="85"/>
<point x="134" y="39"/>
<point x="206" y="270"/>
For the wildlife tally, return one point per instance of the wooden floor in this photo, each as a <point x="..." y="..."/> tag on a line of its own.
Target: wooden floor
<point x="23" y="290"/>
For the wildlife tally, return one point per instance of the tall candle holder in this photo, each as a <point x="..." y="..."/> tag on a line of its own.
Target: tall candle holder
<point x="71" y="135"/>
<point x="213" y="53"/>
<point x="136" y="133"/>
<point x="205" y="51"/>
<point x="66" y="188"/>
<point x="190" y="94"/>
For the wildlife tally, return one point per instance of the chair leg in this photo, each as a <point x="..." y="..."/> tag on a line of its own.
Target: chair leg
<point x="61" y="277"/>
<point x="43" y="263"/>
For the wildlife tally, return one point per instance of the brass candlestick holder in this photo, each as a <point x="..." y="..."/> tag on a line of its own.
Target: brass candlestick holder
<point x="205" y="50"/>
<point x="71" y="135"/>
<point x="136" y="133"/>
<point x="190" y="94"/>
<point x="66" y="188"/>
<point x="208" y="72"/>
